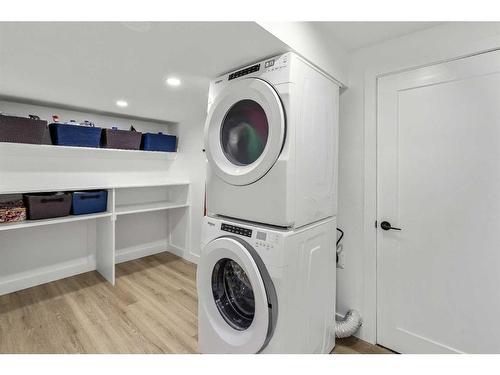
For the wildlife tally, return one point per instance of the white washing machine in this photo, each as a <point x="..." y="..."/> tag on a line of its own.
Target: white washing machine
<point x="266" y="290"/>
<point x="271" y="139"/>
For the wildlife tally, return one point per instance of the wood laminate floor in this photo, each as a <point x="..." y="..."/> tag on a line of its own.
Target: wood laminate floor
<point x="152" y="309"/>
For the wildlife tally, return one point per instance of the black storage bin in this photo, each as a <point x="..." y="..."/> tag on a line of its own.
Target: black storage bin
<point x="47" y="205"/>
<point x="22" y="129"/>
<point x="121" y="139"/>
<point x="89" y="202"/>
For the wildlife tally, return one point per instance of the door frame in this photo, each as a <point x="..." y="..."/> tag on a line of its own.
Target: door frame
<point x="478" y="66"/>
<point x="477" y="43"/>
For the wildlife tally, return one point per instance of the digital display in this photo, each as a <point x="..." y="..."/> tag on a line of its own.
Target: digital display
<point x="236" y="230"/>
<point x="261" y="236"/>
<point x="269" y="63"/>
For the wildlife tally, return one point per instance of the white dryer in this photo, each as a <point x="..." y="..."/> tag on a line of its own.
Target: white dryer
<point x="265" y="290"/>
<point x="271" y="143"/>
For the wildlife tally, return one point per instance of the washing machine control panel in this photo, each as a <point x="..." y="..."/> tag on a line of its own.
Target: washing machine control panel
<point x="264" y="241"/>
<point x="261" y="240"/>
<point x="236" y="230"/>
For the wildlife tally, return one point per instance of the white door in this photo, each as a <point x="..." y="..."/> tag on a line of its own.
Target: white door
<point x="438" y="288"/>
<point x="245" y="131"/>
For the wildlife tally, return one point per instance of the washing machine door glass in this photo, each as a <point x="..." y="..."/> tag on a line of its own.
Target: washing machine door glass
<point x="233" y="294"/>
<point x="236" y="297"/>
<point x="245" y="131"/>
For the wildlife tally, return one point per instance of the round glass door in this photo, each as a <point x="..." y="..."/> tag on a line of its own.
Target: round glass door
<point x="244" y="132"/>
<point x="238" y="305"/>
<point x="233" y="294"/>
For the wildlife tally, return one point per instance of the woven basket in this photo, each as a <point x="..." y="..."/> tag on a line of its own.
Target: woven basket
<point x="22" y="130"/>
<point x="12" y="212"/>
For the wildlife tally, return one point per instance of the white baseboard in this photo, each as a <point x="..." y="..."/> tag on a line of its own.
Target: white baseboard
<point x="183" y="253"/>
<point x="176" y="250"/>
<point x="140" y="251"/>
<point x="194" y="258"/>
<point x="28" y="279"/>
<point x="42" y="275"/>
<point x="152" y="248"/>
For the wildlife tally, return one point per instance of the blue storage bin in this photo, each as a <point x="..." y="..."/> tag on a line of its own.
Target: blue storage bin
<point x="89" y="202"/>
<point x="159" y="142"/>
<point x="75" y="135"/>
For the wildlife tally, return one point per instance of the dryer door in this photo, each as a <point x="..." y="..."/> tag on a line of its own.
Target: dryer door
<point x="245" y="131"/>
<point x="236" y="297"/>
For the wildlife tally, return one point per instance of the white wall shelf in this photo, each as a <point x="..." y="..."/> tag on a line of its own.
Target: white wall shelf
<point x="28" y="168"/>
<point x="147" y="207"/>
<point x="54" y="187"/>
<point x="58" y="220"/>
<point x="39" y="251"/>
<point x="19" y="149"/>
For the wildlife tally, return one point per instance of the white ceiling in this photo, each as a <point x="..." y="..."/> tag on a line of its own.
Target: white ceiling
<point x="355" y="35"/>
<point x="91" y="65"/>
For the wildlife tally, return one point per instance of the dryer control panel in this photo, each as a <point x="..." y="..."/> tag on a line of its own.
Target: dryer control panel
<point x="244" y="72"/>
<point x="276" y="64"/>
<point x="236" y="230"/>
<point x="261" y="69"/>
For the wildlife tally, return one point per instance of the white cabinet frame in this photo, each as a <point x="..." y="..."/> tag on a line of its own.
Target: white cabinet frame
<point x="105" y="233"/>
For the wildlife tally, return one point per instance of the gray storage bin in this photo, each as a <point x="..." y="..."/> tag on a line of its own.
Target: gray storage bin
<point x="47" y="205"/>
<point x="22" y="129"/>
<point x="121" y="139"/>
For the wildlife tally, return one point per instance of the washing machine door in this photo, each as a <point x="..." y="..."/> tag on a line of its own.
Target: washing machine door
<point x="237" y="297"/>
<point x="245" y="131"/>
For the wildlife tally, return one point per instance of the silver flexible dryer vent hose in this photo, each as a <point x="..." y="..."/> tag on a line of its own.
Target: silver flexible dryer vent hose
<point x="349" y="325"/>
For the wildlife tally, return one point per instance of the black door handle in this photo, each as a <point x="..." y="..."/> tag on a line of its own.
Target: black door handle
<point x="385" y="225"/>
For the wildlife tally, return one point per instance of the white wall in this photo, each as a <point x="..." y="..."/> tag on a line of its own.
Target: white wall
<point x="46" y="111"/>
<point x="308" y="41"/>
<point x="356" y="284"/>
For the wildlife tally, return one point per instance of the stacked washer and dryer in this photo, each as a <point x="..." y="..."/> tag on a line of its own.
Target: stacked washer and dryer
<point x="266" y="275"/>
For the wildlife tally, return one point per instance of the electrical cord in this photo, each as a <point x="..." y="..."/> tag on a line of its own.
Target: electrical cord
<point x="341" y="235"/>
<point x="338" y="241"/>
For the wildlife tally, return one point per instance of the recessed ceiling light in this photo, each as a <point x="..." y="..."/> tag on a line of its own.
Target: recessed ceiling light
<point x="172" y="81"/>
<point x="121" y="103"/>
